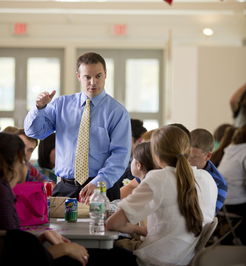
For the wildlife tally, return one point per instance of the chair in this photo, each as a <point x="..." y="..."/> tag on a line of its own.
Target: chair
<point x="221" y="256"/>
<point x="206" y="233"/>
<point x="228" y="225"/>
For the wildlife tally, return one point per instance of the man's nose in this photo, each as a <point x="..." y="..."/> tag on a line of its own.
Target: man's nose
<point x="93" y="81"/>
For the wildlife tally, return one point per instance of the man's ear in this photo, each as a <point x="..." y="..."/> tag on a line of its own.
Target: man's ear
<point x="77" y="75"/>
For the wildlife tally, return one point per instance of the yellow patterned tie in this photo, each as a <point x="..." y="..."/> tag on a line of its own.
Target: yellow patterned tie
<point x="81" y="167"/>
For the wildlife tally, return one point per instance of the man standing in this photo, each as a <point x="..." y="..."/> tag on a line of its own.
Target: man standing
<point x="109" y="131"/>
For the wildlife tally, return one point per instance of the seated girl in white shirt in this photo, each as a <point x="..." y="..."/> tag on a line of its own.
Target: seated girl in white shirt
<point x="177" y="200"/>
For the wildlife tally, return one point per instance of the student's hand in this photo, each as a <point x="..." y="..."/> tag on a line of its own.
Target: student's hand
<point x="53" y="237"/>
<point x="72" y="250"/>
<point x="86" y="192"/>
<point x="44" y="98"/>
<point x="141" y="230"/>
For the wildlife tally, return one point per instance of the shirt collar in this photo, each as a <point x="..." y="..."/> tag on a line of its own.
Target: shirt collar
<point x="95" y="100"/>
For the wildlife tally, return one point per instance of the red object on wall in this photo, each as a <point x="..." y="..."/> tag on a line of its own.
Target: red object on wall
<point x="20" y="28"/>
<point x="119" y="29"/>
<point x="169" y="1"/>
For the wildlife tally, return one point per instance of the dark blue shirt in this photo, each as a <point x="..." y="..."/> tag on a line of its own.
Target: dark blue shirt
<point x="220" y="182"/>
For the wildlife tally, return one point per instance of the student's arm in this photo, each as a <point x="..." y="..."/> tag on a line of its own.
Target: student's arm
<point x="72" y="250"/>
<point x="119" y="222"/>
<point x="127" y="189"/>
<point x="133" y="209"/>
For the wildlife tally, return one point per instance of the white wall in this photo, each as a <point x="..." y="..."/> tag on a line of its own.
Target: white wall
<point x="221" y="71"/>
<point x="183" y="94"/>
<point x="204" y="78"/>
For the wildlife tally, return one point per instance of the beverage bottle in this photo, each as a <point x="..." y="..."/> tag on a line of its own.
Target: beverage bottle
<point x="103" y="189"/>
<point x="97" y="212"/>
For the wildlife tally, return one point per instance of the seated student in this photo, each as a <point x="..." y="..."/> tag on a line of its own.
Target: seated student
<point x="224" y="142"/>
<point x="141" y="164"/>
<point x="46" y="157"/>
<point x="30" y="144"/>
<point x="127" y="189"/>
<point x="177" y="201"/>
<point x="233" y="167"/>
<point x="137" y="131"/>
<point x="218" y="134"/>
<point x="202" y="144"/>
<point x="19" y="246"/>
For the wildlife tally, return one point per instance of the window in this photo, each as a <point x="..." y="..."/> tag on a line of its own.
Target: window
<point x="24" y="74"/>
<point x="7" y="83"/>
<point x="142" y="77"/>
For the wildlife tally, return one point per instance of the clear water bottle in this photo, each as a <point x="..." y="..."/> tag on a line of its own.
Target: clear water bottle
<point x="103" y="189"/>
<point x="97" y="212"/>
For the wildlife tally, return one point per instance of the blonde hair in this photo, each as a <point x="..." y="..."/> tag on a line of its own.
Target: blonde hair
<point x="147" y="135"/>
<point x="171" y="145"/>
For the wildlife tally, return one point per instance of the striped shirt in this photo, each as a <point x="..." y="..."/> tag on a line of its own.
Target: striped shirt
<point x="220" y="182"/>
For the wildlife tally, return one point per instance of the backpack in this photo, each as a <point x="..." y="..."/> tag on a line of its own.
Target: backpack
<point x="31" y="203"/>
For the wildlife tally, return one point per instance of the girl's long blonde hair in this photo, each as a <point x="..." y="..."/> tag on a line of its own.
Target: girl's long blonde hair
<point x="171" y="145"/>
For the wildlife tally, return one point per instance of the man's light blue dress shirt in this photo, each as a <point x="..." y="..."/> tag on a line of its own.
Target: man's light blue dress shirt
<point x="110" y="134"/>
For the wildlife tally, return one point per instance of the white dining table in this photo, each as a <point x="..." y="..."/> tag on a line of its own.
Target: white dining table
<point x="77" y="232"/>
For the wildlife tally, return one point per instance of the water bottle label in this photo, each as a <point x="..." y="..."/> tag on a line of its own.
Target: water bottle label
<point x="97" y="207"/>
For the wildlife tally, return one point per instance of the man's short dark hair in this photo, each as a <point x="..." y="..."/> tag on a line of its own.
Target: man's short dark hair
<point x="91" y="58"/>
<point x="19" y="131"/>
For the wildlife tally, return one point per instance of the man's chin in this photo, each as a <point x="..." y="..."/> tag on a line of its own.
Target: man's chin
<point x="92" y="93"/>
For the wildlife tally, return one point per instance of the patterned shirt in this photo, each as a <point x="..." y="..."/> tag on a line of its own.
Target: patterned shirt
<point x="34" y="175"/>
<point x="220" y="182"/>
<point x="47" y="172"/>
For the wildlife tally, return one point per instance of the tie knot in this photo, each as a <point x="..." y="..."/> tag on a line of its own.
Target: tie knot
<point x="88" y="101"/>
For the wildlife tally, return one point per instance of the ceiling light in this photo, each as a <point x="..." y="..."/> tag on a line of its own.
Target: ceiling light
<point x="208" y="32"/>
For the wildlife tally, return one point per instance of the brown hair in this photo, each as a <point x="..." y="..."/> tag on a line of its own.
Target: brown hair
<point x="19" y="131"/>
<point x="147" y="135"/>
<point x="12" y="148"/>
<point x="44" y="149"/>
<point x="137" y="129"/>
<point x="239" y="136"/>
<point x="142" y="154"/>
<point x="225" y="141"/>
<point x="171" y="145"/>
<point x="91" y="58"/>
<point x="220" y="131"/>
<point x="181" y="126"/>
<point x="202" y="139"/>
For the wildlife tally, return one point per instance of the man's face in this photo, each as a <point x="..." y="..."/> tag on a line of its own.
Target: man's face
<point x="199" y="158"/>
<point x="29" y="146"/>
<point x="92" y="78"/>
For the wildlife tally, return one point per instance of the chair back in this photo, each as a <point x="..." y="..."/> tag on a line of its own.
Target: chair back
<point x="221" y="256"/>
<point x="206" y="233"/>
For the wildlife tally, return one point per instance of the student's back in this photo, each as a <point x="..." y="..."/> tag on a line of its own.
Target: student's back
<point x="168" y="239"/>
<point x="177" y="199"/>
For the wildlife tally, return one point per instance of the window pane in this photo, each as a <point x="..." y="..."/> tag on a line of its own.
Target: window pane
<point x="7" y="83"/>
<point x="109" y="83"/>
<point x="6" y="122"/>
<point x="151" y="124"/>
<point x="43" y="74"/>
<point x="142" y="80"/>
